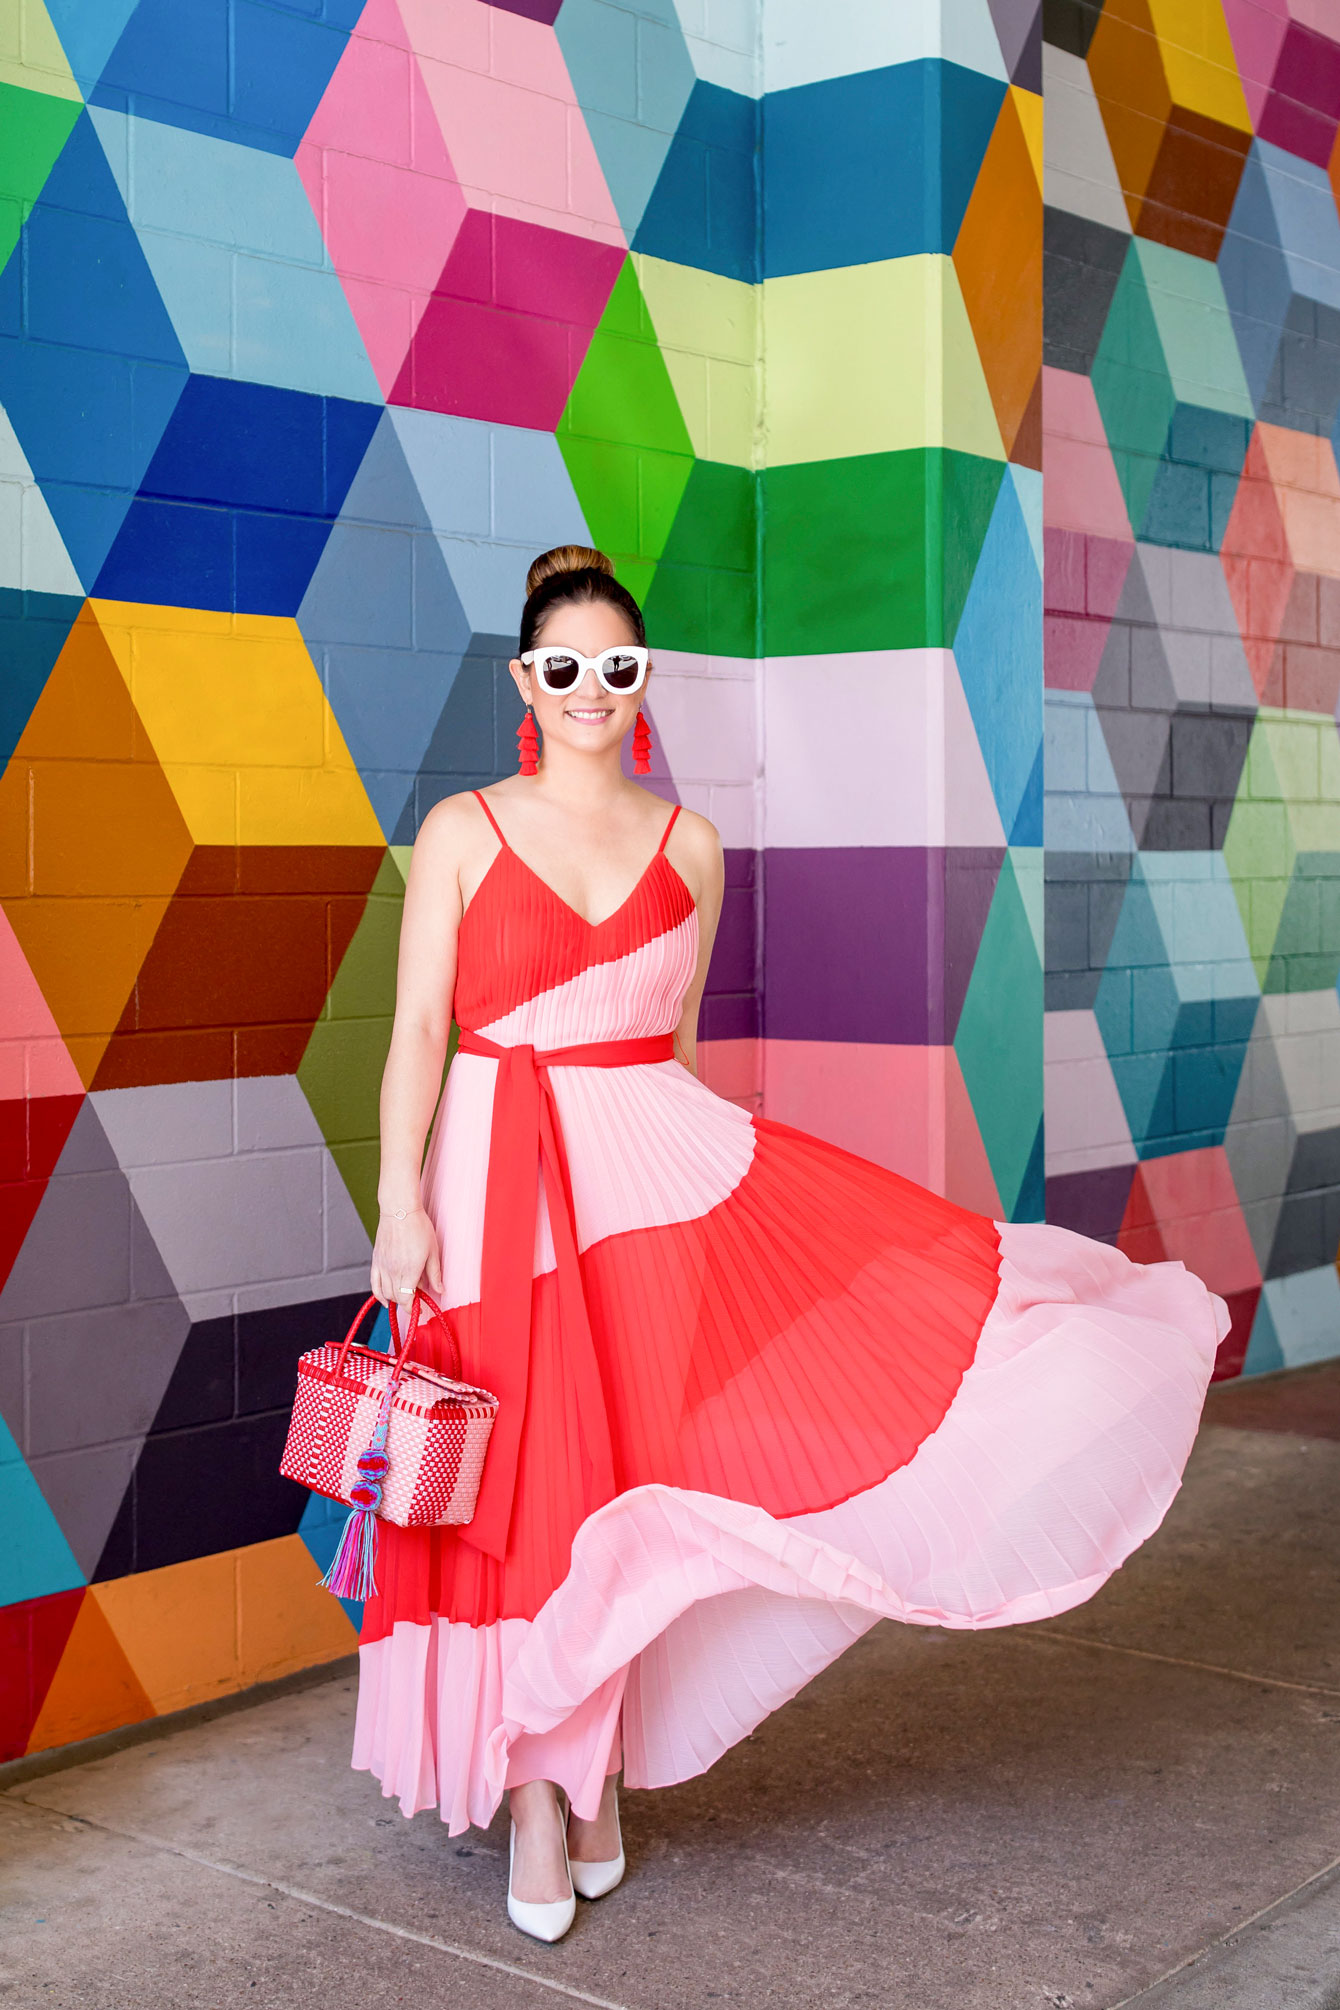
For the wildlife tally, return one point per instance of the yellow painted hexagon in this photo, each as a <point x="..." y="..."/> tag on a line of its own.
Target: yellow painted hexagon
<point x="235" y="713"/>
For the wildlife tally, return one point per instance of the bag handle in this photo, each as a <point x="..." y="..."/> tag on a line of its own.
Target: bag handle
<point x="399" y="1349"/>
<point x="436" y="1310"/>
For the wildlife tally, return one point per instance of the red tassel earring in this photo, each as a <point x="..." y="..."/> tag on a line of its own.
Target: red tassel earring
<point x="641" y="745"/>
<point x="528" y="744"/>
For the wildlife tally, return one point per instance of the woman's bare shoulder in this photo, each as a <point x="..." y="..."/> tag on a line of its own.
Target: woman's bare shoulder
<point x="695" y="843"/>
<point x="696" y="832"/>
<point x="460" y="812"/>
<point x="451" y="830"/>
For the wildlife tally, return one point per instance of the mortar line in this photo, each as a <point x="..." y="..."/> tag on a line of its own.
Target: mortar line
<point x="296" y="1892"/>
<point x="1226" y="1939"/>
<point x="1177" y="1661"/>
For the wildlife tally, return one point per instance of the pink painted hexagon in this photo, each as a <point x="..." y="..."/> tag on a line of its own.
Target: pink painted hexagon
<point x="34" y="1060"/>
<point x="509" y="324"/>
<point x="1281" y="558"/>
<point x="464" y="207"/>
<point x="1288" y="54"/>
<point x="40" y="1096"/>
<point x="382" y="186"/>
<point x="1087" y="534"/>
<point x="508" y="113"/>
<point x="1185" y="1208"/>
<point x="904" y="1107"/>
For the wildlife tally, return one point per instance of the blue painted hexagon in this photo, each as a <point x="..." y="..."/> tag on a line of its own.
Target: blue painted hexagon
<point x="1085" y="808"/>
<point x="385" y="625"/>
<point x="238" y="258"/>
<point x="998" y="650"/>
<point x="495" y="496"/>
<point x="89" y="30"/>
<point x="1177" y="1000"/>
<point x="703" y="209"/>
<point x="237" y="504"/>
<point x="633" y="78"/>
<point x="238" y="69"/>
<point x="38" y="1560"/>
<point x="1280" y="267"/>
<point x="90" y="366"/>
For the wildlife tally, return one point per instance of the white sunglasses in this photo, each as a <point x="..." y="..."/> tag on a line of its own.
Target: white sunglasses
<point x="620" y="670"/>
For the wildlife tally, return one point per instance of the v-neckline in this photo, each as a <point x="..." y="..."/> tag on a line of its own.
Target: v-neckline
<point x="604" y="922"/>
<point x="585" y="920"/>
<point x="505" y="851"/>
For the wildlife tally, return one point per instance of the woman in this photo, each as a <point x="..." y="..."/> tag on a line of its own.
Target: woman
<point x="755" y="1392"/>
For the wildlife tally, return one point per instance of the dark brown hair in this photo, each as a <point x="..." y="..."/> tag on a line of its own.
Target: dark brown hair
<point x="574" y="573"/>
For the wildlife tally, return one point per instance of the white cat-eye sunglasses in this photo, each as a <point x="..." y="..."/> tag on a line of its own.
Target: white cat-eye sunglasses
<point x="559" y="670"/>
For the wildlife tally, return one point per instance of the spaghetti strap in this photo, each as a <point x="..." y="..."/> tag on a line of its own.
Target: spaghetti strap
<point x="670" y="824"/>
<point x="492" y="819"/>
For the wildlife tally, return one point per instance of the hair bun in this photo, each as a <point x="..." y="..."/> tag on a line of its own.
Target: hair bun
<point x="566" y="558"/>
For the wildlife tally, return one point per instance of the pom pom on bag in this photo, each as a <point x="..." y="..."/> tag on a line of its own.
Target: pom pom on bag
<point x="396" y="1440"/>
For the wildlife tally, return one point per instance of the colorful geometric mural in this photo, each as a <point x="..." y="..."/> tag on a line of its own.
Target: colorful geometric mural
<point x="1192" y="422"/>
<point x="316" y="323"/>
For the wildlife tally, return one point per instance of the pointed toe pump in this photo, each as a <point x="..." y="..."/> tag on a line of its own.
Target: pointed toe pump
<point x="593" y="1880"/>
<point x="545" y="1921"/>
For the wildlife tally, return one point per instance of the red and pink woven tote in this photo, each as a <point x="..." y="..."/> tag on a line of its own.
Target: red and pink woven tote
<point x="395" y="1439"/>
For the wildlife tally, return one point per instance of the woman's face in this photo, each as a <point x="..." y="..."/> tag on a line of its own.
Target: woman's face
<point x="588" y="718"/>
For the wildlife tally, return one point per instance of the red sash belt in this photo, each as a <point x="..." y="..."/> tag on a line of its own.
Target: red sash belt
<point x="526" y="1130"/>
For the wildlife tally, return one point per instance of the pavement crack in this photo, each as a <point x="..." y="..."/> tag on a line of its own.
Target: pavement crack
<point x="296" y="1892"/>
<point x="1234" y="1935"/>
<point x="1178" y="1661"/>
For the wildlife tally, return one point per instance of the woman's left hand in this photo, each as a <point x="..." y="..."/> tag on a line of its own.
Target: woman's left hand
<point x="405" y="1256"/>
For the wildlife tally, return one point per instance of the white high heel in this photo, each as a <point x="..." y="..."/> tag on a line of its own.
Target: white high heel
<point x="547" y="1921"/>
<point x="593" y="1880"/>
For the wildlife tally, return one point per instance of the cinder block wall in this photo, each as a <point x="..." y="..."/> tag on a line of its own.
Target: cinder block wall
<point x="1193" y="650"/>
<point x="315" y="325"/>
<point x="901" y="681"/>
<point x="303" y="353"/>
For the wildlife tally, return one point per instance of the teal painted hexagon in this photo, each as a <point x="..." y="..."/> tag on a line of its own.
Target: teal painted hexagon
<point x="999" y="1046"/>
<point x="1173" y="396"/>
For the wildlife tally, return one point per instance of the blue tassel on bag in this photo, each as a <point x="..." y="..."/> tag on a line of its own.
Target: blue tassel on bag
<point x="353" y="1568"/>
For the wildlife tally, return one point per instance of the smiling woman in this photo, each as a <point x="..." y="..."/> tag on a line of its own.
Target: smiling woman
<point x="730" y="1357"/>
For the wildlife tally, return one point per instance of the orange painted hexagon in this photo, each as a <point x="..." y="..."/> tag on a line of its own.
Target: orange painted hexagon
<point x="998" y="259"/>
<point x="95" y="842"/>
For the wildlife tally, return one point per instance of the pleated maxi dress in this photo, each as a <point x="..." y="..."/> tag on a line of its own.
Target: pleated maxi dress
<point x="756" y="1392"/>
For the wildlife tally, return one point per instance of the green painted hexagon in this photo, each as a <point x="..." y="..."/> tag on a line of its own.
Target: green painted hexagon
<point x="341" y="1071"/>
<point x="1281" y="850"/>
<point x="704" y="595"/>
<point x="34" y="127"/>
<point x="623" y="439"/>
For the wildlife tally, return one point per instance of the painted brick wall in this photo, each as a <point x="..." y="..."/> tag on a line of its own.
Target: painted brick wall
<point x="316" y="322"/>
<point x="1192" y="385"/>
<point x="901" y="589"/>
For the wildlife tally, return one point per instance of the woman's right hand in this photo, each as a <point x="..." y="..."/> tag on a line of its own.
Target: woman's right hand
<point x="404" y="1257"/>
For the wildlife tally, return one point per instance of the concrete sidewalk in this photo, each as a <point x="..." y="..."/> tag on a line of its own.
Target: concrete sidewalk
<point x="1137" y="1804"/>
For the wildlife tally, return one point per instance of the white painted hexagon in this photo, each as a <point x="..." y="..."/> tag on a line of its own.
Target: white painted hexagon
<point x="924" y="782"/>
<point x="238" y="1190"/>
<point x="1086" y="1125"/>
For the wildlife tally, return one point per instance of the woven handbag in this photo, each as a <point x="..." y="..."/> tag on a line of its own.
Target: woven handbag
<point x="396" y="1439"/>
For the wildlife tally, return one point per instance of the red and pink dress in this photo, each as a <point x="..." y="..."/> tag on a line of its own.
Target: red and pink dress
<point x="756" y="1392"/>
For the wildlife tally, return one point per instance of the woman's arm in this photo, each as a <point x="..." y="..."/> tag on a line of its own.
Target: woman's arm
<point x="700" y="864"/>
<point x="406" y="1251"/>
